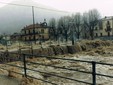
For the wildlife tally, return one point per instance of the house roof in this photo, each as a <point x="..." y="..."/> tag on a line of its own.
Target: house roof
<point x="44" y="25"/>
<point x="15" y="34"/>
<point x="107" y="18"/>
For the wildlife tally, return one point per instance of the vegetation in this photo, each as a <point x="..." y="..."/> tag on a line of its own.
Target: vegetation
<point x="73" y="27"/>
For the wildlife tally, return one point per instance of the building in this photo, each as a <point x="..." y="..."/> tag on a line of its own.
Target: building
<point x="5" y="39"/>
<point x="104" y="28"/>
<point x="35" y="32"/>
<point x="15" y="37"/>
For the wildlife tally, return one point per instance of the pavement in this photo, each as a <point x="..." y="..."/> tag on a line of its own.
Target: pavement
<point x="5" y="80"/>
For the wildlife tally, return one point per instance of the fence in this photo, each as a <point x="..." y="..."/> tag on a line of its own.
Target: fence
<point x="25" y="68"/>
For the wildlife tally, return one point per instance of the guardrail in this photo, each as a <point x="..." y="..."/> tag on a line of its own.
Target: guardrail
<point x="93" y="72"/>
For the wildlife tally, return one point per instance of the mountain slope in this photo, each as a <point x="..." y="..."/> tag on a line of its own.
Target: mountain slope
<point x="14" y="18"/>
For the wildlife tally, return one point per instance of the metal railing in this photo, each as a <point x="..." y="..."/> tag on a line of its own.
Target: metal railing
<point x="93" y="65"/>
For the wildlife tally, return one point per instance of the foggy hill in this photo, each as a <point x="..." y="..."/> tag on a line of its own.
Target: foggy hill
<point x="14" y="18"/>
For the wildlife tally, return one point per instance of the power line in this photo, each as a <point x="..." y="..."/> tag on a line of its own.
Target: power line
<point x="15" y="4"/>
<point x="35" y="7"/>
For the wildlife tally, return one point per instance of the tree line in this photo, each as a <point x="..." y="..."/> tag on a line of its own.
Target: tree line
<point x="74" y="26"/>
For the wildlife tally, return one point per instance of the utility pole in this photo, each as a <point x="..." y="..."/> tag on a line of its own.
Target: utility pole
<point x="34" y="38"/>
<point x="33" y="23"/>
<point x="33" y="15"/>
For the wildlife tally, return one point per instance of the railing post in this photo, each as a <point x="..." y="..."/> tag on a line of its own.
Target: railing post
<point x="6" y="56"/>
<point x="24" y="60"/>
<point x="93" y="73"/>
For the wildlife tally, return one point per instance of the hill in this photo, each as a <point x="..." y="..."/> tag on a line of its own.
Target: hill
<point x="13" y="17"/>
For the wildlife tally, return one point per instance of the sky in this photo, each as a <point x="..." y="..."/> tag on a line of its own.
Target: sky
<point x="103" y="6"/>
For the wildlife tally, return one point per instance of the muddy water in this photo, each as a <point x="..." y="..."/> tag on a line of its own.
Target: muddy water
<point x="4" y="80"/>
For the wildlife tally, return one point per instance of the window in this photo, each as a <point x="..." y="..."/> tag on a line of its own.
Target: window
<point x="25" y="31"/>
<point x="108" y="33"/>
<point x="33" y="30"/>
<point x="108" y="23"/>
<point x="36" y="30"/>
<point x="43" y="37"/>
<point x="108" y="26"/>
<point x="25" y="38"/>
<point x="42" y="30"/>
<point x="29" y="38"/>
<point x="34" y="37"/>
<point x="40" y="36"/>
<point x="29" y="31"/>
<point x="96" y="34"/>
<point x="95" y="28"/>
<point x="101" y="34"/>
<point x="100" y="25"/>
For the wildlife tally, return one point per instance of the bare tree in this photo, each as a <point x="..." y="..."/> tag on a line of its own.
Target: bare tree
<point x="85" y="26"/>
<point x="77" y="22"/>
<point x="59" y="27"/>
<point x="63" y="25"/>
<point x="90" y="20"/>
<point x="52" y="31"/>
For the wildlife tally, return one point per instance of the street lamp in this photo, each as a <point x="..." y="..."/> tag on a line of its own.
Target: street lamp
<point x="33" y="15"/>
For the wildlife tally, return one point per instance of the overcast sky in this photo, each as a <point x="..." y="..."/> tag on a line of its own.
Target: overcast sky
<point x="105" y="7"/>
